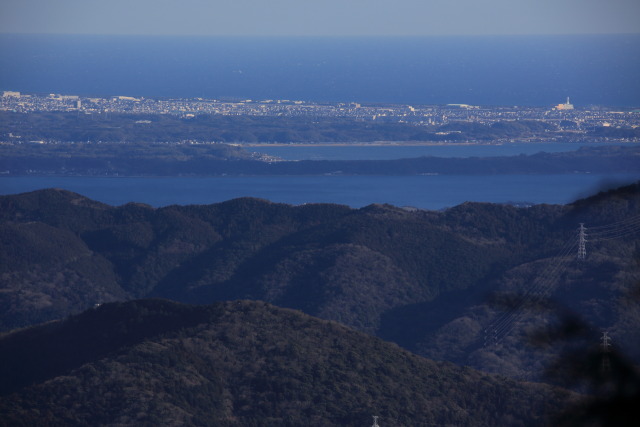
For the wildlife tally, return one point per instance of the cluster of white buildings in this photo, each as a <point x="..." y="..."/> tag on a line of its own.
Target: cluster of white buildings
<point x="417" y="114"/>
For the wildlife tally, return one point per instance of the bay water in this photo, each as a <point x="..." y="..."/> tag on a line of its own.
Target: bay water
<point x="424" y="192"/>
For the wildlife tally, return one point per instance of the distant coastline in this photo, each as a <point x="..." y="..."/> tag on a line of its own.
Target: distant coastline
<point x="362" y="144"/>
<point x="118" y="159"/>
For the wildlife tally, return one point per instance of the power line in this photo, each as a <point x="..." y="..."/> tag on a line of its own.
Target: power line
<point x="541" y="289"/>
<point x="502" y="324"/>
<point x="617" y="223"/>
<point x="615" y="230"/>
<point x="582" y="242"/>
<point x="538" y="287"/>
<point x="543" y="285"/>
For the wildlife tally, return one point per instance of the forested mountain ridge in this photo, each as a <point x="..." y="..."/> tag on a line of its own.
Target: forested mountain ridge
<point x="154" y="362"/>
<point x="233" y="249"/>
<point x="420" y="278"/>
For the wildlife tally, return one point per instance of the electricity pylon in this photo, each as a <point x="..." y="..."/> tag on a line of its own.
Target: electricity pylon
<point x="582" y="242"/>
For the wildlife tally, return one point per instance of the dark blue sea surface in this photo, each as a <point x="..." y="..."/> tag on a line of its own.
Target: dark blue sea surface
<point x="390" y="152"/>
<point x="427" y="192"/>
<point x="487" y="70"/>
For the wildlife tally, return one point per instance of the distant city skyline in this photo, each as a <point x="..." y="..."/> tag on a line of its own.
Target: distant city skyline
<point x="320" y="18"/>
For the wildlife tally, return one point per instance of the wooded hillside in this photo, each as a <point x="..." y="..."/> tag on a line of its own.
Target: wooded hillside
<point x="422" y="279"/>
<point x="242" y="363"/>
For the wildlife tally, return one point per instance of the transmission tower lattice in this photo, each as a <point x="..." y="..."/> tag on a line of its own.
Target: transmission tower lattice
<point x="582" y="242"/>
<point x="375" y="421"/>
<point x="545" y="282"/>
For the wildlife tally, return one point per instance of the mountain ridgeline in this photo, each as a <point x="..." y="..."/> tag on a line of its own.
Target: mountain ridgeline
<point x="421" y="279"/>
<point x="243" y="363"/>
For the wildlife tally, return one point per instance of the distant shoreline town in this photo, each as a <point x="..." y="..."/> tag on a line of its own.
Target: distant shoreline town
<point x="564" y="115"/>
<point x="49" y="134"/>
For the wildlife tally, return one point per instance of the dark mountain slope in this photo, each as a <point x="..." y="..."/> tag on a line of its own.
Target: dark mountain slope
<point x="546" y="288"/>
<point x="242" y="363"/>
<point x="36" y="354"/>
<point x="48" y="272"/>
<point x="421" y="279"/>
<point x="358" y="265"/>
<point x="249" y="248"/>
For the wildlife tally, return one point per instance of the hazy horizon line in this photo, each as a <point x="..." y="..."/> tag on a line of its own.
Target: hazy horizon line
<point x="317" y="36"/>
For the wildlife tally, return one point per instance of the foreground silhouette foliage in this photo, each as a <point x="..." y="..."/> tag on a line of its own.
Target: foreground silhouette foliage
<point x="589" y="361"/>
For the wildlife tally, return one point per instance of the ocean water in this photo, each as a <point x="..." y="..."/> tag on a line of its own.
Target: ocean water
<point x="425" y="192"/>
<point x="488" y="70"/>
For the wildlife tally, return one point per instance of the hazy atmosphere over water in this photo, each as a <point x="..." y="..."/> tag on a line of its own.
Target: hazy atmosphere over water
<point x="261" y="64"/>
<point x="313" y="18"/>
<point x="486" y="70"/>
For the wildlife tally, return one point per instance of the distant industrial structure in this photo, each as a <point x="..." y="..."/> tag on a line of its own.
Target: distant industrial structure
<point x="10" y="94"/>
<point x="566" y="106"/>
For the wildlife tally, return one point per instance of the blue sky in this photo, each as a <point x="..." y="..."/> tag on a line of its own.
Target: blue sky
<point x="320" y="17"/>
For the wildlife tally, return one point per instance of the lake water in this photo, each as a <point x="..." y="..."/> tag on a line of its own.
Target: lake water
<point x="426" y="192"/>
